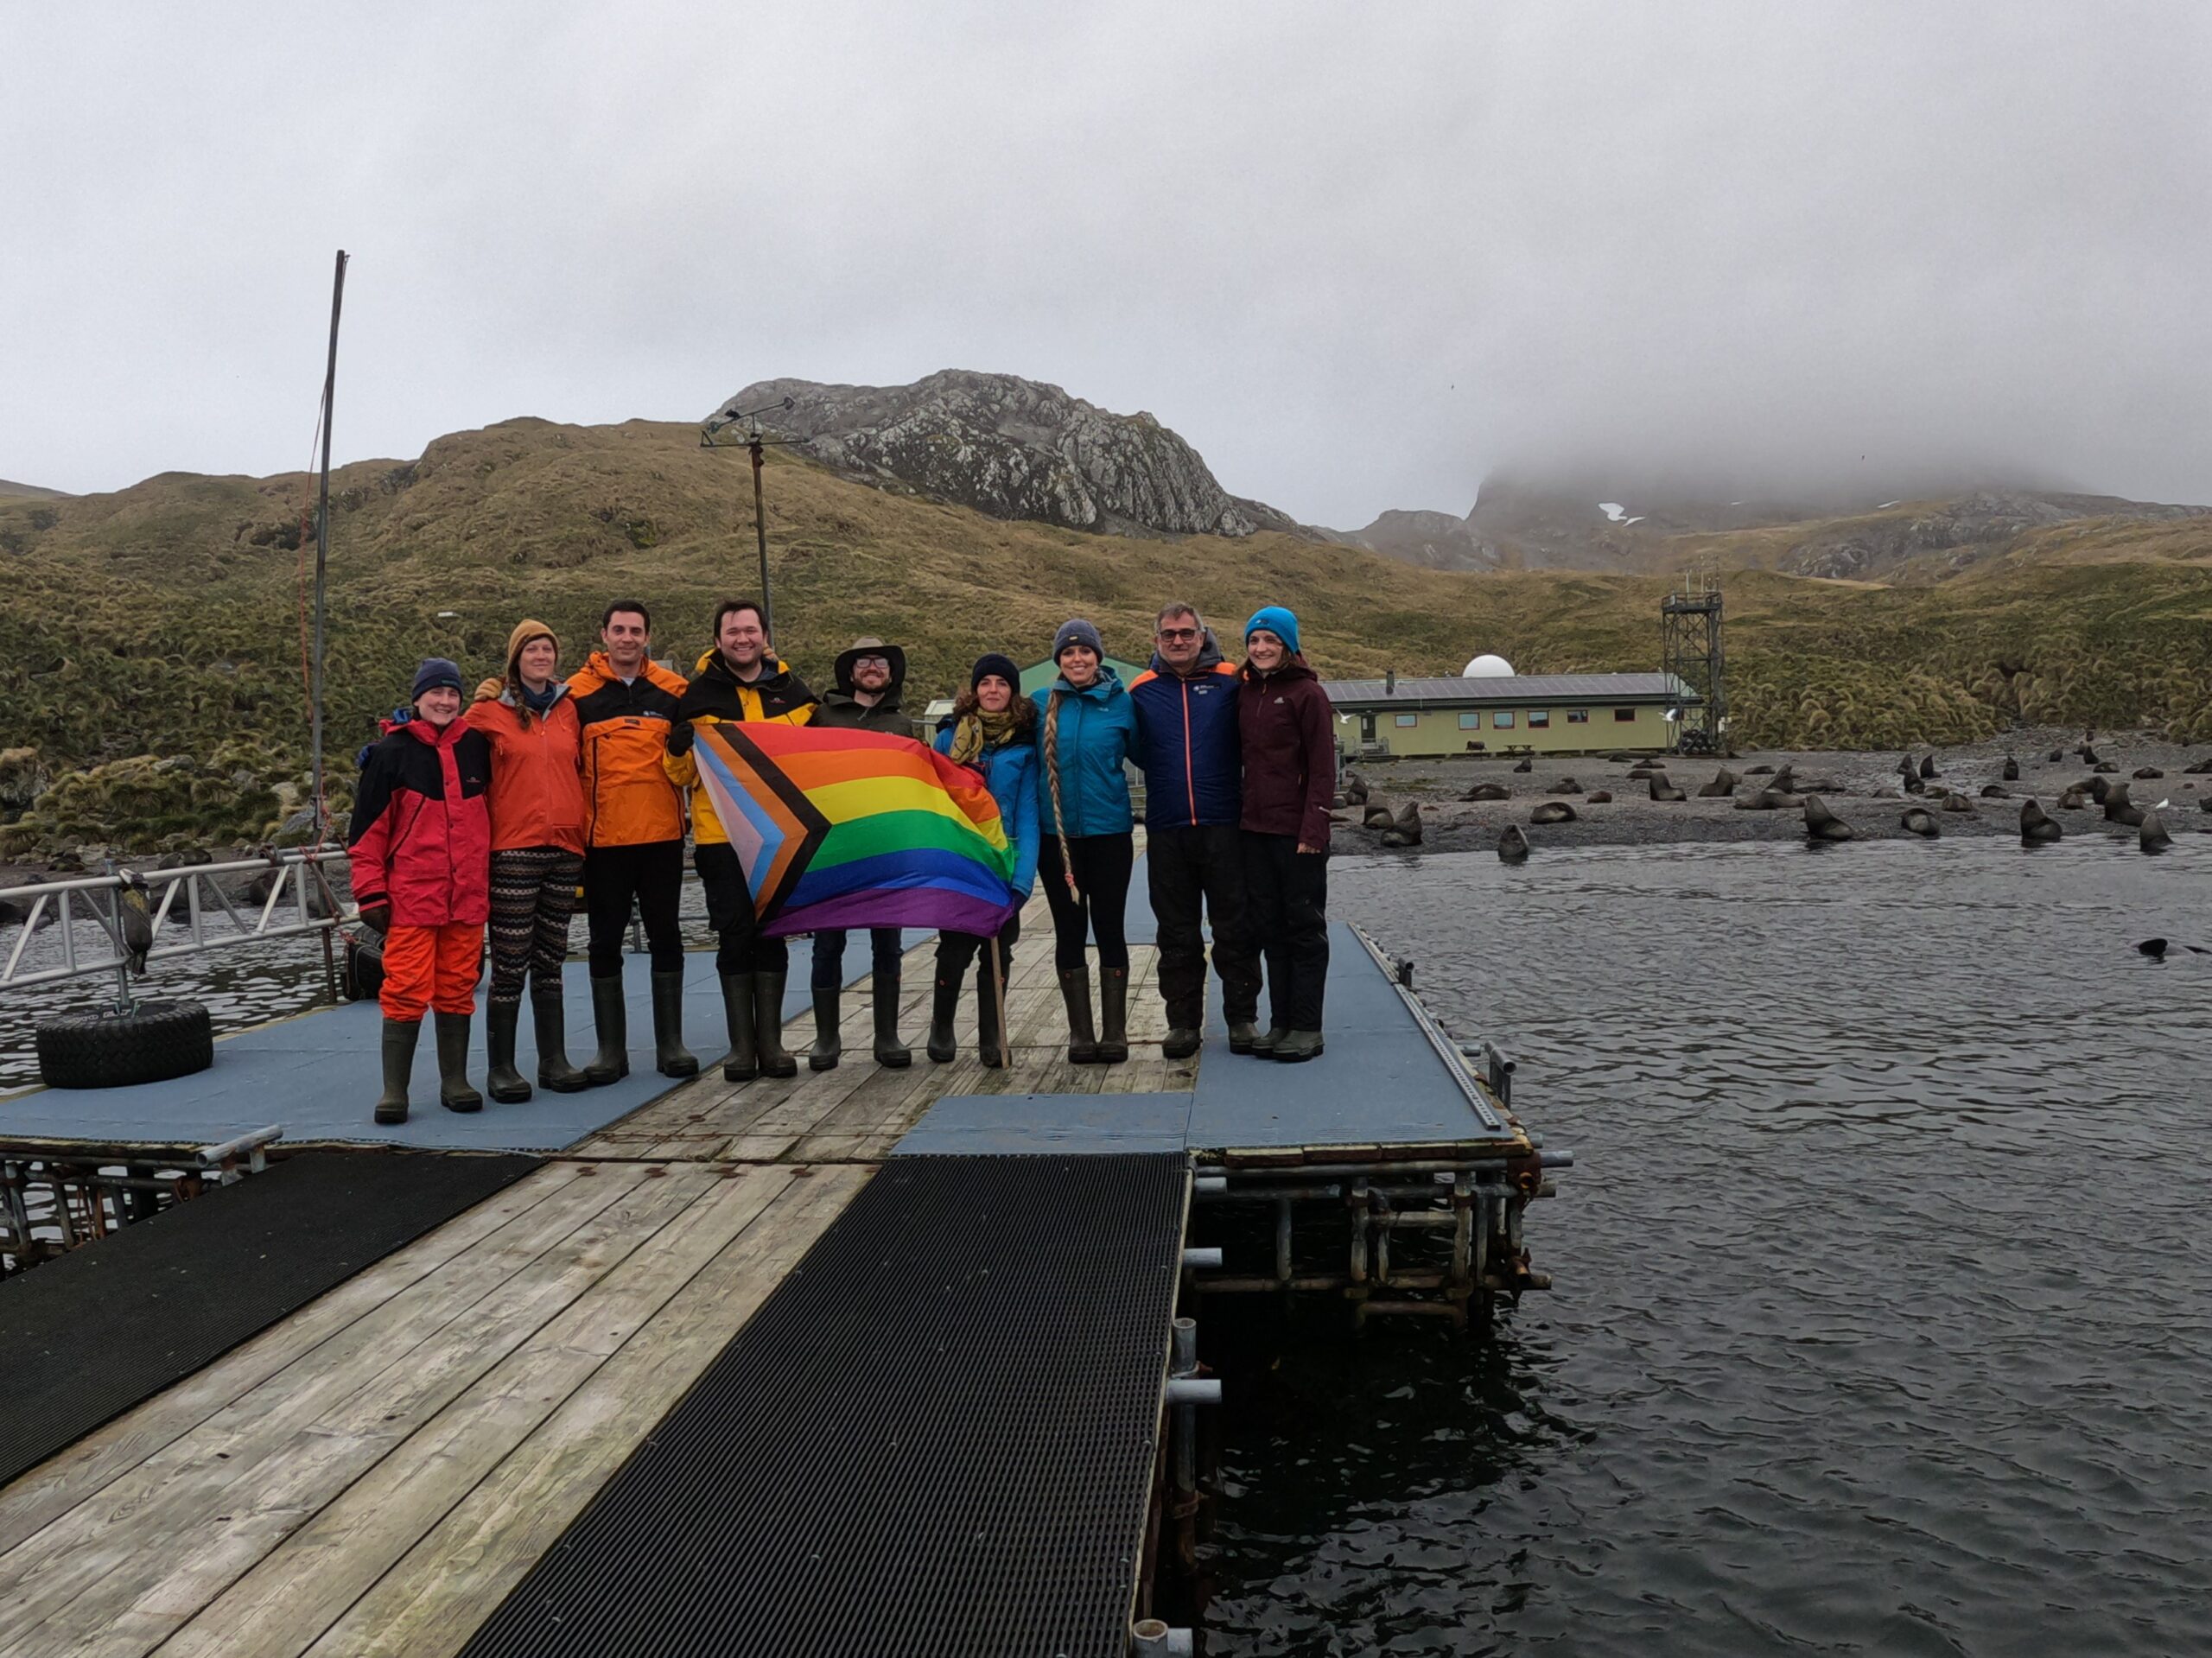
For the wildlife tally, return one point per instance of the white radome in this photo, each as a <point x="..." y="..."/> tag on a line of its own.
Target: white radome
<point x="1487" y="667"/>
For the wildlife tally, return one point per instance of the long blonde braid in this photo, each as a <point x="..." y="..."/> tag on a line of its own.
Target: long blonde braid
<point x="1053" y="782"/>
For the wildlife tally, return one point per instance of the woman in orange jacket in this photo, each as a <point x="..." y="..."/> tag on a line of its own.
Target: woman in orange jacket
<point x="537" y="855"/>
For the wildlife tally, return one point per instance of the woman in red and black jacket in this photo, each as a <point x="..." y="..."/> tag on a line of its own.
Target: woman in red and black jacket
<point x="1288" y="731"/>
<point x="422" y="854"/>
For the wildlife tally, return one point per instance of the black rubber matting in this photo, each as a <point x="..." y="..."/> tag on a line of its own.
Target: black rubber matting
<point x="86" y="1336"/>
<point x="936" y="1438"/>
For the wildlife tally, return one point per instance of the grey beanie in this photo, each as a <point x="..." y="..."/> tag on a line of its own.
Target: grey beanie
<point x="1076" y="631"/>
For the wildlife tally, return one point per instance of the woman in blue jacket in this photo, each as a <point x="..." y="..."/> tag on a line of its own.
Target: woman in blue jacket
<point x="1086" y="734"/>
<point x="992" y="729"/>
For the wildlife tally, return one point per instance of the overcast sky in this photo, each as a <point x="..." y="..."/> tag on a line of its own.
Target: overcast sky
<point x="1359" y="255"/>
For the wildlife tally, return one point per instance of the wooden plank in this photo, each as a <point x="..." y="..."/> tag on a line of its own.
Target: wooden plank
<point x="297" y="1591"/>
<point x="45" y="1493"/>
<point x="309" y="1425"/>
<point x="430" y="1604"/>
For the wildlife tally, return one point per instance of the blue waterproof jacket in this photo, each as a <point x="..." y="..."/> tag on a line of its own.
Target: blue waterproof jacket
<point x="1187" y="742"/>
<point x="1010" y="772"/>
<point x="1098" y="734"/>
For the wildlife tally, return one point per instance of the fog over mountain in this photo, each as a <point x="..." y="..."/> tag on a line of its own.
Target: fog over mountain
<point x="1866" y="249"/>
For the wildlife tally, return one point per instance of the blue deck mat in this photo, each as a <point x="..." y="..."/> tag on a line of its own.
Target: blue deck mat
<point x="1012" y="1124"/>
<point x="319" y="1075"/>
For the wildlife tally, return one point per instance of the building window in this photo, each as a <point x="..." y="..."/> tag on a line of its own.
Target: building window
<point x="1621" y="716"/>
<point x="1539" y="718"/>
<point x="1503" y="720"/>
<point x="1471" y="721"/>
<point x="1408" y="719"/>
<point x="1578" y="716"/>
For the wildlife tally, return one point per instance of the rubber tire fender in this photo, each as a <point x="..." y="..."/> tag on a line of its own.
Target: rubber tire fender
<point x="153" y="1042"/>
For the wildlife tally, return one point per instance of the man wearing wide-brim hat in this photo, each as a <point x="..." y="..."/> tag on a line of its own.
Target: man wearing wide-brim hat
<point x="863" y="696"/>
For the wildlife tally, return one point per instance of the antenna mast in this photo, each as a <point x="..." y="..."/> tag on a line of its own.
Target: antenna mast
<point x="322" y="546"/>
<point x="754" y="443"/>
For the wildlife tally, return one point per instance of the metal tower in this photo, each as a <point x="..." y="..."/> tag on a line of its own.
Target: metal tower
<point x="1690" y="633"/>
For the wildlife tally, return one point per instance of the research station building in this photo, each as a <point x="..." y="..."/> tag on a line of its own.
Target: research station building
<point x="1490" y="709"/>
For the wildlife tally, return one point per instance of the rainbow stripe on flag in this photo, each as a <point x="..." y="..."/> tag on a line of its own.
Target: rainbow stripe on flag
<point x="857" y="828"/>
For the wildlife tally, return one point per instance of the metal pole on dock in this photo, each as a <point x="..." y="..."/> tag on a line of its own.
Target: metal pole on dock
<point x="761" y="535"/>
<point x="322" y="543"/>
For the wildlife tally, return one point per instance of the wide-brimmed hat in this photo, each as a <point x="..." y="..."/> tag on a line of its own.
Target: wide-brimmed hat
<point x="842" y="671"/>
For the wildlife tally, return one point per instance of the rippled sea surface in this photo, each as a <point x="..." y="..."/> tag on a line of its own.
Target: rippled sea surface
<point x="1882" y="1310"/>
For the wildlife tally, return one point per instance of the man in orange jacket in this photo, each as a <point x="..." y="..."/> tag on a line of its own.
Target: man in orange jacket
<point x="633" y="837"/>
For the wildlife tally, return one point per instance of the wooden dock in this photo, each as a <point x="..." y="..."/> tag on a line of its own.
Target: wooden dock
<point x="375" y="1472"/>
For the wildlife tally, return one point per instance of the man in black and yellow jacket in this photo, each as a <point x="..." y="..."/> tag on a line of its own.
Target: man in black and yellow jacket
<point x="740" y="680"/>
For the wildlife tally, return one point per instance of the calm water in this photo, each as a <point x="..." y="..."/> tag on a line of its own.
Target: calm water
<point x="1883" y="1309"/>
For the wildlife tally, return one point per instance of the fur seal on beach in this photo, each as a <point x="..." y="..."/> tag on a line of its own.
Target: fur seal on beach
<point x="1662" y="790"/>
<point x="2152" y="836"/>
<point x="1954" y="803"/>
<point x="1758" y="771"/>
<point x="1552" y="812"/>
<point x="1995" y="791"/>
<point x="2088" y="754"/>
<point x="1528" y="764"/>
<point x="1905" y="767"/>
<point x="2057" y="755"/>
<point x="1377" y="816"/>
<point x="1354" y="789"/>
<point x="1918" y="820"/>
<point x="1512" y="845"/>
<point x="2073" y="800"/>
<point x="1604" y="796"/>
<point x="2105" y="766"/>
<point x="2118" y="809"/>
<point x="1722" y="786"/>
<point x="1913" y="786"/>
<point x="1822" y="824"/>
<point x="1487" y="792"/>
<point x="2011" y="771"/>
<point x="1567" y="786"/>
<point x="2142" y="773"/>
<point x="2037" y="827"/>
<point x="2095" y="788"/>
<point x="1928" y="767"/>
<point x="2197" y="769"/>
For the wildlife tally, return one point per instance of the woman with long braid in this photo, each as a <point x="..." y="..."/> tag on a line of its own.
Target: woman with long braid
<point x="1086" y="734"/>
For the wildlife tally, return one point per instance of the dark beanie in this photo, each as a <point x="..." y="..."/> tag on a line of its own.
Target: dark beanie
<point x="432" y="674"/>
<point x="991" y="664"/>
<point x="1076" y="632"/>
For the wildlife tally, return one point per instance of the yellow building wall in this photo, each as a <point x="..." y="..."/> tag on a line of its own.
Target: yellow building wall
<point x="1437" y="731"/>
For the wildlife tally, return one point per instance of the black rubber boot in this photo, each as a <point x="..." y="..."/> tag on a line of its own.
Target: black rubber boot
<point x="1181" y="1041"/>
<point x="828" y="1009"/>
<point x="399" y="1036"/>
<point x="1113" y="1015"/>
<point x="1264" y="1046"/>
<point x="670" y="1056"/>
<point x="610" y="1017"/>
<point x="890" y="1052"/>
<point x="453" y="1091"/>
<point x="768" y="1025"/>
<point x="501" y="1080"/>
<point x="1298" y="1046"/>
<point x="990" y="1039"/>
<point x="1082" y="1039"/>
<point x="742" y="1063"/>
<point x="944" y="1006"/>
<point x="551" y="1021"/>
<point x="1242" y="1033"/>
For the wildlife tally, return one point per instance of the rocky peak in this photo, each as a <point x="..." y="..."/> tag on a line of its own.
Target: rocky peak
<point x="1011" y="448"/>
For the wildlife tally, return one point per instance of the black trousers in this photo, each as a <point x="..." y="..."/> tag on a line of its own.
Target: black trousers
<point x="1099" y="903"/>
<point x="955" y="949"/>
<point x="649" y="878"/>
<point x="829" y="970"/>
<point x="1188" y="871"/>
<point x="741" y="947"/>
<point x="1288" y="891"/>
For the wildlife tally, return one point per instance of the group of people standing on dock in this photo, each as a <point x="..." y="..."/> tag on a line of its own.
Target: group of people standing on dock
<point x="499" y="811"/>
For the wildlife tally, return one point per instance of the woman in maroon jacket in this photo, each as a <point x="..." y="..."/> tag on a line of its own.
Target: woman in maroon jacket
<point x="421" y="844"/>
<point x="1287" y="730"/>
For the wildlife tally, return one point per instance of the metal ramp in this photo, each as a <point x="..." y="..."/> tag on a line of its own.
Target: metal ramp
<point x="936" y="1438"/>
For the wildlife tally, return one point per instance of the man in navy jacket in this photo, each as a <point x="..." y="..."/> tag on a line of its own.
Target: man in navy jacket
<point x="1186" y="706"/>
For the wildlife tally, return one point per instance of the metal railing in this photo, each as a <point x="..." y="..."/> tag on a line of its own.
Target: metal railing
<point x="188" y="910"/>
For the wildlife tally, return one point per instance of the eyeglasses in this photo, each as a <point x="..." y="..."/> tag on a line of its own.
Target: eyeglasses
<point x="880" y="662"/>
<point x="1179" y="633"/>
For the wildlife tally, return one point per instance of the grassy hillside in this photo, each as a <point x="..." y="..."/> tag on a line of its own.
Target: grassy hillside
<point x="164" y="620"/>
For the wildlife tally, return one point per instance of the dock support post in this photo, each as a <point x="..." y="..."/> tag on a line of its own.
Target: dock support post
<point x="1186" y="1416"/>
<point x="1282" y="1241"/>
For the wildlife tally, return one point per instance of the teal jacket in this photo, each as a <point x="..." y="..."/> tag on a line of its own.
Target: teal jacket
<point x="1009" y="772"/>
<point x="1098" y="736"/>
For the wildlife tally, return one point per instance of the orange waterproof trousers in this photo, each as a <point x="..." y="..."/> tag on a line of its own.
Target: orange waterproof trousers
<point x="431" y="967"/>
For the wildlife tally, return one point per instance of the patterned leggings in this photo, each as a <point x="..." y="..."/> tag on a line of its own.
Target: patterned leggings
<point x="533" y="893"/>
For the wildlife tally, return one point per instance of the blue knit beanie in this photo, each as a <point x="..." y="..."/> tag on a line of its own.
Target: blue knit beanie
<point x="1278" y="621"/>
<point x="433" y="673"/>
<point x="1076" y="631"/>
